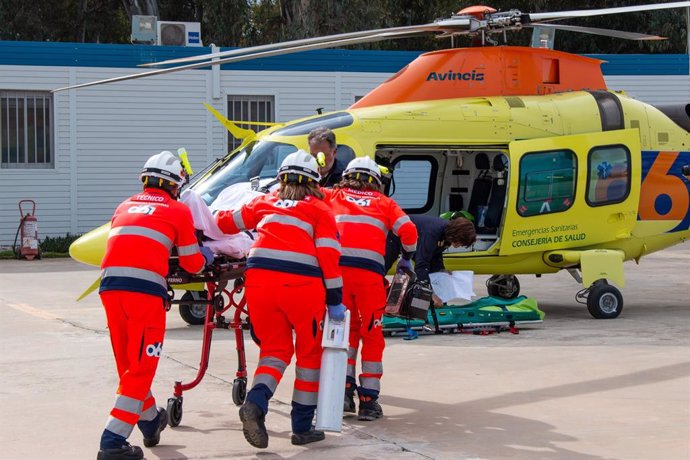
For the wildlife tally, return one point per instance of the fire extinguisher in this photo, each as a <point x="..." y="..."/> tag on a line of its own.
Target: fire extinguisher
<point x="28" y="230"/>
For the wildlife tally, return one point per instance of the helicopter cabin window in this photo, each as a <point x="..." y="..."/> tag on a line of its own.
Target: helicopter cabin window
<point x="258" y="159"/>
<point x="26" y="130"/>
<point x="547" y="182"/>
<point x="249" y="108"/>
<point x="413" y="183"/>
<point x="608" y="179"/>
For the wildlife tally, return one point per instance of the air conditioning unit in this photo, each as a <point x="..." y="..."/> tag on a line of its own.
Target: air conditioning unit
<point x="143" y="29"/>
<point x="179" y="33"/>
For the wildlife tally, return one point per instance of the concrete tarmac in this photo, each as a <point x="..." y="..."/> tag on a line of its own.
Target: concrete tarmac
<point x="570" y="388"/>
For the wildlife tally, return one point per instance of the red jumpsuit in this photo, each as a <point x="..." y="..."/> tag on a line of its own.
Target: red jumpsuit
<point x="364" y="219"/>
<point x="292" y="273"/>
<point x="134" y="293"/>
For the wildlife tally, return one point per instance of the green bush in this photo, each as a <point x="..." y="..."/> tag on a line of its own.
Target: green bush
<point x="59" y="244"/>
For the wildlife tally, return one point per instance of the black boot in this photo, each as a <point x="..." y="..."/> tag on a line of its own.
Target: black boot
<point x="253" y="425"/>
<point x="299" y="439"/>
<point x="349" y="402"/>
<point x="126" y="452"/>
<point x="369" y="410"/>
<point x="154" y="439"/>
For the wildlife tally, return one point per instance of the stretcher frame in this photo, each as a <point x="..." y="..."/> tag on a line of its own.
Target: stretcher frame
<point x="216" y="277"/>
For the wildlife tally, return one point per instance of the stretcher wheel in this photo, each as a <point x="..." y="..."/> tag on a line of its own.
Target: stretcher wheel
<point x="174" y="411"/>
<point x="239" y="391"/>
<point x="193" y="314"/>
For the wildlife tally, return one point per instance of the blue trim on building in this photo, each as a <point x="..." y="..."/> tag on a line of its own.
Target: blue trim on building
<point x="644" y="64"/>
<point x="332" y="60"/>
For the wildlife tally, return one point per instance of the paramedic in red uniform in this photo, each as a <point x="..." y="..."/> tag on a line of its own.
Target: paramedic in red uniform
<point x="134" y="293"/>
<point x="292" y="274"/>
<point x="364" y="217"/>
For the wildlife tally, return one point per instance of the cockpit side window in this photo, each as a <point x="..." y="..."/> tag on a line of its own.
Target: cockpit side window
<point x="258" y="159"/>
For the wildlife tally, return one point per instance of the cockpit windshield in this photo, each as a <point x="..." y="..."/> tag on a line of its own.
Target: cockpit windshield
<point x="258" y="159"/>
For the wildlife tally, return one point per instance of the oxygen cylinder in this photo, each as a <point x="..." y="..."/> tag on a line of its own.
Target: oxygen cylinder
<point x="329" y="409"/>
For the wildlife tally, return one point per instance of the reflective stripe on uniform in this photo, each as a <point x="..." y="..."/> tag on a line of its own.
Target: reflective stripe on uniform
<point x="284" y="255"/>
<point x="119" y="427"/>
<point x="307" y="375"/>
<point x="306" y="398"/>
<point x="327" y="243"/>
<point x="287" y="220"/>
<point x="238" y="220"/>
<point x="351" y="362"/>
<point x="346" y="218"/>
<point x="402" y="220"/>
<point x="372" y="367"/>
<point x="141" y="231"/>
<point x="149" y="409"/>
<point x="370" y="383"/>
<point x="132" y="272"/>
<point x="333" y="283"/>
<point x="188" y="250"/>
<point x="128" y="404"/>
<point x="269" y="380"/>
<point x="363" y="254"/>
<point x="410" y="247"/>
<point x="311" y="377"/>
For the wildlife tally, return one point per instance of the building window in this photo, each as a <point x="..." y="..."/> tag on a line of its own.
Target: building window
<point x="547" y="182"/>
<point x="26" y="134"/>
<point x="249" y="108"/>
<point x="608" y="180"/>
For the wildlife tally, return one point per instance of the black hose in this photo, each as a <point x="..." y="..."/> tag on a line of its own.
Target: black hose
<point x="14" y="245"/>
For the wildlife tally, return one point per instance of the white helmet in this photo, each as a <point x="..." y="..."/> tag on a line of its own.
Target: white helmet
<point x="299" y="165"/>
<point x="363" y="166"/>
<point x="165" y="165"/>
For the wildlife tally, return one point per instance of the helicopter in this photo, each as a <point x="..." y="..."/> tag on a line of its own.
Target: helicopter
<point x="557" y="171"/>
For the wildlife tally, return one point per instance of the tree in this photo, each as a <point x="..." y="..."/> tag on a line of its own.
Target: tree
<point x="140" y="7"/>
<point x="255" y="22"/>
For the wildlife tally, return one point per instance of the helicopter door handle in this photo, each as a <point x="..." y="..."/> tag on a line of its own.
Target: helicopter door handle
<point x="616" y="217"/>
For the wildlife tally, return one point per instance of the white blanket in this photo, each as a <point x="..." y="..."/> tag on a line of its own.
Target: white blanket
<point x="454" y="285"/>
<point x="232" y="245"/>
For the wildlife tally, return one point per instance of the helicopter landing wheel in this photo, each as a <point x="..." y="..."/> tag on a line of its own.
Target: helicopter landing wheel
<point x="604" y="301"/>
<point x="503" y="286"/>
<point x="194" y="313"/>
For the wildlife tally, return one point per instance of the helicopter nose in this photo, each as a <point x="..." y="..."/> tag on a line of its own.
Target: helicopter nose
<point x="90" y="247"/>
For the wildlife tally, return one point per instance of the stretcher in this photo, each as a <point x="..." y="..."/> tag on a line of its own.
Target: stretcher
<point x="224" y="278"/>
<point x="484" y="315"/>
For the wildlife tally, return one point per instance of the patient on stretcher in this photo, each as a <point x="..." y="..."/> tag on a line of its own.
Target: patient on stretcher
<point x="233" y="197"/>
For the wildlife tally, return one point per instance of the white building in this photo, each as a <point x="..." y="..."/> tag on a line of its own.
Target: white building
<point x="78" y="153"/>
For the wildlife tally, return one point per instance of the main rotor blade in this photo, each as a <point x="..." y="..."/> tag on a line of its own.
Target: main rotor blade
<point x="431" y="27"/>
<point x="335" y="43"/>
<point x="597" y="31"/>
<point x="535" y="17"/>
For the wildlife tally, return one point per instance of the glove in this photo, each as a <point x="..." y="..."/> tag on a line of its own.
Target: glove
<point x="208" y="254"/>
<point x="403" y="264"/>
<point x="336" y="312"/>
